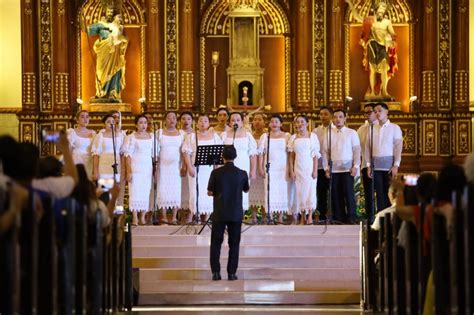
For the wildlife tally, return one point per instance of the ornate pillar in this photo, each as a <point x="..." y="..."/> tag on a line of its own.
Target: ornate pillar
<point x="303" y="54"/>
<point x="430" y="56"/>
<point x="30" y="72"/>
<point x="335" y="55"/>
<point x="171" y="53"/>
<point x="444" y="26"/>
<point x="61" y="37"/>
<point x="154" y="55"/>
<point x="461" y="55"/>
<point x="187" y="51"/>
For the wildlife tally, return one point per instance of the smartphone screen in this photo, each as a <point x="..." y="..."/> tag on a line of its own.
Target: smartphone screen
<point x="50" y="136"/>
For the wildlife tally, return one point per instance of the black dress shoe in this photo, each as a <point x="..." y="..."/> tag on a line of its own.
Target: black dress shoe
<point x="232" y="277"/>
<point x="216" y="276"/>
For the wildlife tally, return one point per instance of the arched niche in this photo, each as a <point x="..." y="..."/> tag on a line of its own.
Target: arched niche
<point x="134" y="28"/>
<point x="402" y="85"/>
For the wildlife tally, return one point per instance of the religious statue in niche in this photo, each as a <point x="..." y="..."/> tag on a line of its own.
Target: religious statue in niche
<point x="110" y="50"/>
<point x="380" y="50"/>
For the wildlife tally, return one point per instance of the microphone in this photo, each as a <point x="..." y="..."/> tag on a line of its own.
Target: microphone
<point x="236" y="127"/>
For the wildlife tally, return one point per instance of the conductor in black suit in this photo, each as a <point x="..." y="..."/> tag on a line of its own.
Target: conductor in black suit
<point x="226" y="185"/>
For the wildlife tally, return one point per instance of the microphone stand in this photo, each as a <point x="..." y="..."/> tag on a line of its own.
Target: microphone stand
<point x="115" y="165"/>
<point x="235" y="131"/>
<point x="372" y="171"/>
<point x="155" y="170"/>
<point x="198" y="218"/>
<point x="329" y="210"/>
<point x="267" y="168"/>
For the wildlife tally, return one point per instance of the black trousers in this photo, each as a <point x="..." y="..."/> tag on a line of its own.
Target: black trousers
<point x="381" y="184"/>
<point x="368" y="194"/>
<point x="343" y="197"/>
<point x="322" y="188"/>
<point x="217" y="237"/>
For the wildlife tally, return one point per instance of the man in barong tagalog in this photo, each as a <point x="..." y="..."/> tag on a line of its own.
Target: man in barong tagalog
<point x="380" y="53"/>
<point x="110" y="49"/>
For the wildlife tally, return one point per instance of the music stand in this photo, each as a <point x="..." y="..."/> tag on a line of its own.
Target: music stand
<point x="206" y="155"/>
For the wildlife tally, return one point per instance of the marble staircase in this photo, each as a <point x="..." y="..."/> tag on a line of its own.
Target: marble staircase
<point x="278" y="265"/>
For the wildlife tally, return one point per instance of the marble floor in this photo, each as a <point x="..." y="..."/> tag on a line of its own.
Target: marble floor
<point x="250" y="309"/>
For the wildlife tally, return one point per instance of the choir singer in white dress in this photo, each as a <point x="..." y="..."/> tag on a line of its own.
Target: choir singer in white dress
<point x="205" y="137"/>
<point x="304" y="154"/>
<point x="277" y="158"/>
<point x="80" y="141"/>
<point x="246" y="148"/>
<point x="138" y="151"/>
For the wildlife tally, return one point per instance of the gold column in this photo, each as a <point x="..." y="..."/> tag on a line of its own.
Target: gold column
<point x="335" y="55"/>
<point x="303" y="54"/>
<point x="461" y="55"/>
<point x="61" y="74"/>
<point x="429" y="60"/>
<point x="154" y="55"/>
<point x="187" y="41"/>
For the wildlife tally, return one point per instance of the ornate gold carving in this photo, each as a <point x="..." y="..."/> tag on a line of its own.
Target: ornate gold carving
<point x="187" y="6"/>
<point x="154" y="87"/>
<point x="335" y="7"/>
<point x="131" y="11"/>
<point x="335" y="86"/>
<point x="429" y="7"/>
<point x="428" y="87"/>
<point x="29" y="90"/>
<point x="444" y="54"/>
<point x="187" y="86"/>
<point x="154" y="7"/>
<point x="61" y="89"/>
<point x="28" y="9"/>
<point x="61" y="7"/>
<point x="430" y="137"/>
<point x="171" y="53"/>
<point x="445" y="138"/>
<point x="287" y="73"/>
<point x="303" y="7"/>
<point x="401" y="12"/>
<point x="463" y="137"/>
<point x="409" y="138"/>
<point x="46" y="55"/>
<point x="273" y="20"/>
<point x="319" y="53"/>
<point x="202" y="72"/>
<point x="461" y="87"/>
<point x="26" y="132"/>
<point x="303" y="86"/>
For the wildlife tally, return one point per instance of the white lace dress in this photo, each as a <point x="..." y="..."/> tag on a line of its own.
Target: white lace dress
<point x="279" y="181"/>
<point x="185" y="198"/>
<point x="245" y="147"/>
<point x="140" y="152"/>
<point x="257" y="191"/>
<point x="169" y="181"/>
<point x="205" y="201"/>
<point x="81" y="149"/>
<point x="103" y="147"/>
<point x="305" y="150"/>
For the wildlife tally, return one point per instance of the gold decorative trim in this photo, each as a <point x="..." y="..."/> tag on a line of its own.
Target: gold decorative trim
<point x="131" y="10"/>
<point x="444" y="55"/>
<point x="461" y="86"/>
<point x="187" y="7"/>
<point x="28" y="9"/>
<point x="46" y="56"/>
<point x="288" y="73"/>
<point x="411" y="78"/>
<point x="154" y="7"/>
<point x="429" y="137"/>
<point x="347" y="62"/>
<point x="171" y="55"/>
<point x="187" y="86"/>
<point x="303" y="86"/>
<point x="143" y="57"/>
<point x="335" y="86"/>
<point x="29" y="89"/>
<point x="202" y="72"/>
<point x="410" y="138"/>
<point x="28" y="132"/>
<point x="428" y="87"/>
<point x="61" y="89"/>
<point x="319" y="53"/>
<point x="400" y="12"/>
<point x="154" y="87"/>
<point x="303" y="7"/>
<point x="445" y="138"/>
<point x="463" y="135"/>
<point x="61" y="7"/>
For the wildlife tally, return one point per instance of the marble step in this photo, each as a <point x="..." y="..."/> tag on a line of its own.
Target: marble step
<point x="271" y="239"/>
<point x="237" y="298"/>
<point x="247" y="250"/>
<point x="320" y="275"/>
<point x="259" y="230"/>
<point x="249" y="262"/>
